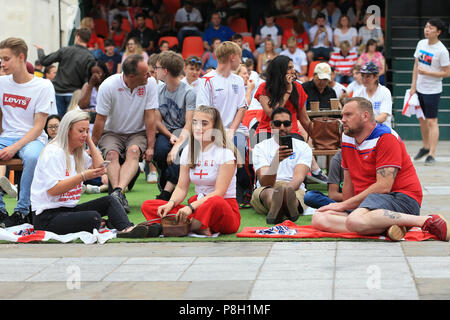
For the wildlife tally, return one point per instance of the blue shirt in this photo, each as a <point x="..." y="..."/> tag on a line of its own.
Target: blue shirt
<point x="224" y="33"/>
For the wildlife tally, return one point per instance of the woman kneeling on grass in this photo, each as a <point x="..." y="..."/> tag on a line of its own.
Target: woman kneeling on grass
<point x="209" y="162"/>
<point x="56" y="189"/>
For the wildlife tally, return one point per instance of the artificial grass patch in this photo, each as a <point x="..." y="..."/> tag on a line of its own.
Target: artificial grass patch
<point x="143" y="191"/>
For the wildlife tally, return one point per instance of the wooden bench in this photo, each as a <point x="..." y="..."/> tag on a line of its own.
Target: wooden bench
<point x="15" y="165"/>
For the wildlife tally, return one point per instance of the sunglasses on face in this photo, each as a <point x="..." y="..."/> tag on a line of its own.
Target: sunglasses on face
<point x="278" y="123"/>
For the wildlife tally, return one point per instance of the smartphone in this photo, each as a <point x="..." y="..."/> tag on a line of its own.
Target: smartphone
<point x="105" y="163"/>
<point x="286" y="141"/>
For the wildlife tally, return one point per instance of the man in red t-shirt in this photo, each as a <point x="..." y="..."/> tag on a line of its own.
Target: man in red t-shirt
<point x="381" y="190"/>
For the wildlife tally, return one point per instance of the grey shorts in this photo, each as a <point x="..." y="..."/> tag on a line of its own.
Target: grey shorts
<point x="111" y="141"/>
<point x="395" y="201"/>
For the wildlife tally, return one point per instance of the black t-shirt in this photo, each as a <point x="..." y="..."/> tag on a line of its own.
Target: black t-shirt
<point x="111" y="61"/>
<point x="314" y="95"/>
<point x="144" y="37"/>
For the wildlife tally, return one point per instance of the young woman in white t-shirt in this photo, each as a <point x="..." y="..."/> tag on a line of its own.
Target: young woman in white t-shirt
<point x="62" y="168"/>
<point x="209" y="162"/>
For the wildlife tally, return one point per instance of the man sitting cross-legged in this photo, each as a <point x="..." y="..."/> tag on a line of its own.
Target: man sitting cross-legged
<point x="280" y="171"/>
<point x="381" y="190"/>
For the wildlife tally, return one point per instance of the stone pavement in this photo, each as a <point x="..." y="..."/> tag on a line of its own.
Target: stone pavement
<point x="241" y="270"/>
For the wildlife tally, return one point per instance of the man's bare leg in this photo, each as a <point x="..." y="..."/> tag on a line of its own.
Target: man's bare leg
<point x="129" y="167"/>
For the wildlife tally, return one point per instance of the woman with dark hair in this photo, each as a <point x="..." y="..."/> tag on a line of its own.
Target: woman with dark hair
<point x="117" y="34"/>
<point x="52" y="125"/>
<point x="97" y="73"/>
<point x="281" y="90"/>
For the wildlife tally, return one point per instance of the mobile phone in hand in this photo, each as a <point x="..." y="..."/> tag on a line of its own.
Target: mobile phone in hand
<point x="286" y="141"/>
<point x="105" y="163"/>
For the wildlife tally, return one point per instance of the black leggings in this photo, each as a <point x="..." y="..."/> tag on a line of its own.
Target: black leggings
<point x="83" y="217"/>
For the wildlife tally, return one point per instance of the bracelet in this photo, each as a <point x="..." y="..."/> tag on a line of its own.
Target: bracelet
<point x="288" y="92"/>
<point x="191" y="207"/>
<point x="83" y="176"/>
<point x="172" y="201"/>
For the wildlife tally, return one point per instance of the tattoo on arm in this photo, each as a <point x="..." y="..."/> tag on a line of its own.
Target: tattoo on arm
<point x="392" y="215"/>
<point x="384" y="172"/>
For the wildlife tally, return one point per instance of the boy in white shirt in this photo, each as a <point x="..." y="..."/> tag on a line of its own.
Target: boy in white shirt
<point x="431" y="65"/>
<point x="26" y="101"/>
<point x="225" y="91"/>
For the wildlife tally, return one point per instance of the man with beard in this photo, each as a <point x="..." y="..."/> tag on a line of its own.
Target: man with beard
<point x="281" y="170"/>
<point x="381" y="190"/>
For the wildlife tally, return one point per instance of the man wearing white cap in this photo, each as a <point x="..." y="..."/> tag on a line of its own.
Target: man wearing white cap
<point x="318" y="88"/>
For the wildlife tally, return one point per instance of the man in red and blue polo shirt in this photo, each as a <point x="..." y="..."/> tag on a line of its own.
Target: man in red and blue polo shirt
<point x="381" y="190"/>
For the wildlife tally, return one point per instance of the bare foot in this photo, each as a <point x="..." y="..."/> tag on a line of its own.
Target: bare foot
<point x="204" y="232"/>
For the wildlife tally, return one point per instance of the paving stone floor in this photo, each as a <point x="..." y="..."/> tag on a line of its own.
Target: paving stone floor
<point x="242" y="270"/>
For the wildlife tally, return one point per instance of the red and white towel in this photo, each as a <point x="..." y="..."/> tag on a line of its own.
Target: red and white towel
<point x="26" y="233"/>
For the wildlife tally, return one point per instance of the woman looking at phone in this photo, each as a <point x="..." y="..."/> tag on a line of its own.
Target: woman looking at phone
<point x="62" y="168"/>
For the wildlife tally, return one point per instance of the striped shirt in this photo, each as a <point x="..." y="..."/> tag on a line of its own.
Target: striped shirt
<point x="381" y="149"/>
<point x="343" y="64"/>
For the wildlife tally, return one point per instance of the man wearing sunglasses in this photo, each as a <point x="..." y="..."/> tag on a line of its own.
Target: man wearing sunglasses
<point x="280" y="171"/>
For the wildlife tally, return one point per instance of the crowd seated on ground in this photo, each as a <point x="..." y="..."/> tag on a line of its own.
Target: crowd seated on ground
<point x="301" y="52"/>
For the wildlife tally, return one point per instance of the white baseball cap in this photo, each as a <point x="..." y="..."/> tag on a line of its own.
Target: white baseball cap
<point x="323" y="71"/>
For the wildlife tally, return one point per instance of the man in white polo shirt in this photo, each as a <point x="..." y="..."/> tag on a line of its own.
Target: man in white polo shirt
<point x="25" y="103"/>
<point x="125" y="128"/>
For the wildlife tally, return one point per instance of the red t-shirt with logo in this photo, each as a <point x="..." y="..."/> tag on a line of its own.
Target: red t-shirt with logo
<point x="383" y="148"/>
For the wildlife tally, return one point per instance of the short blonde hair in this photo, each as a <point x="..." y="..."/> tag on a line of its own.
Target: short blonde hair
<point x="292" y="41"/>
<point x="226" y="49"/>
<point x="16" y="45"/>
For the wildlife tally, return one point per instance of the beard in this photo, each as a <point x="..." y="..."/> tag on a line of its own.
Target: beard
<point x="352" y="132"/>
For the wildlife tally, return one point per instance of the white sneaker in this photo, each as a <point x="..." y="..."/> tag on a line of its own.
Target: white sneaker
<point x="142" y="166"/>
<point x="90" y="189"/>
<point x="9" y="188"/>
<point x="152" y="177"/>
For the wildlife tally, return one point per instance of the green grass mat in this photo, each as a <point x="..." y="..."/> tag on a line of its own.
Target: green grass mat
<point x="143" y="191"/>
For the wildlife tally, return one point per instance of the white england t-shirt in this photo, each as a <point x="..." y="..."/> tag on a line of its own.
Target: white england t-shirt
<point x="125" y="109"/>
<point x="264" y="152"/>
<point x="50" y="169"/>
<point x="205" y="174"/>
<point x="432" y="58"/>
<point x="20" y="102"/>
<point x="381" y="101"/>
<point x="298" y="58"/>
<point x="225" y="94"/>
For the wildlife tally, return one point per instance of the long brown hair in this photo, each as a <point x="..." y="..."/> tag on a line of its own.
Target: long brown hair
<point x="194" y="145"/>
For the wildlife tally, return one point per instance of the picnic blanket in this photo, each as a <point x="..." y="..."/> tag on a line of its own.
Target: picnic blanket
<point x="26" y="233"/>
<point x="414" y="234"/>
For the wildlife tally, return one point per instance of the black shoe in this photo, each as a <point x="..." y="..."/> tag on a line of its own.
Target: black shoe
<point x="422" y="152"/>
<point x="117" y="193"/>
<point x="16" y="219"/>
<point x="3" y="217"/>
<point x="139" y="231"/>
<point x="164" y="195"/>
<point x="317" y="178"/>
<point x="125" y="204"/>
<point x="430" y="161"/>
<point x="154" y="230"/>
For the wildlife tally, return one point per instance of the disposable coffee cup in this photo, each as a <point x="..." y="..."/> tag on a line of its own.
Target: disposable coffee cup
<point x="335" y="104"/>
<point x="314" y="105"/>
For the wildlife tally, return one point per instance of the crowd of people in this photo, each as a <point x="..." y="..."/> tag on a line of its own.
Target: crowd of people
<point x="232" y="122"/>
